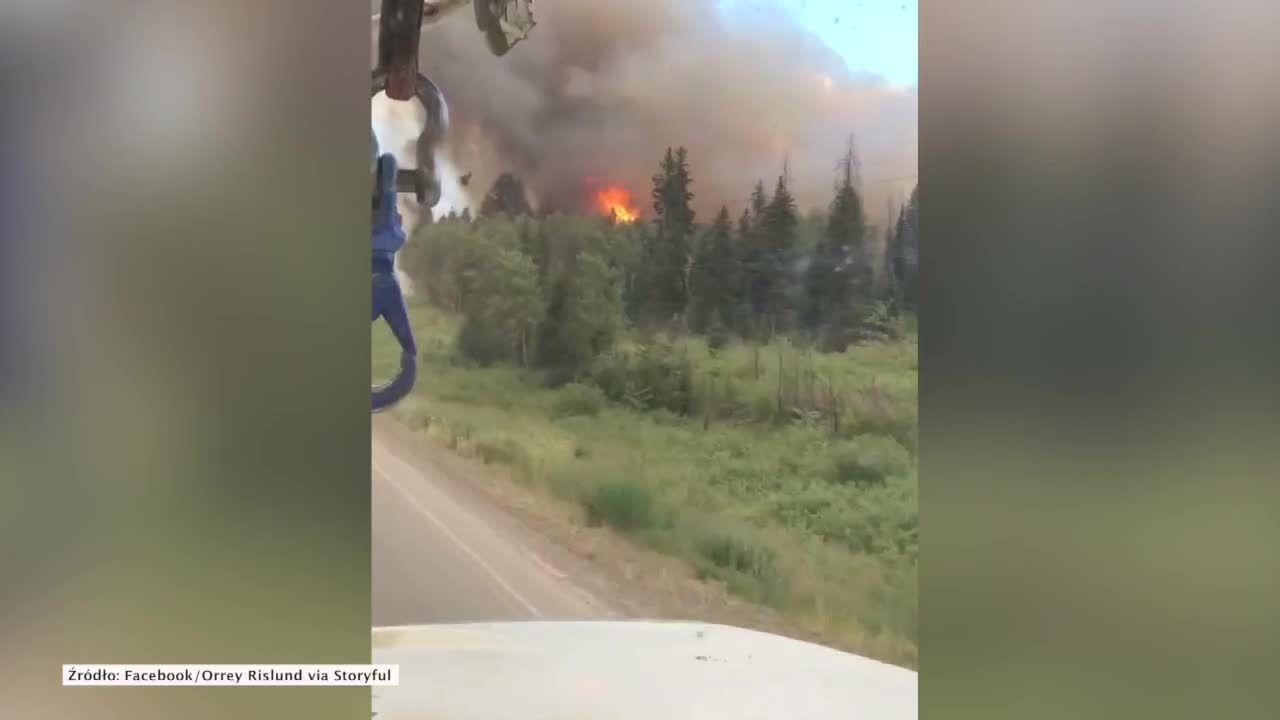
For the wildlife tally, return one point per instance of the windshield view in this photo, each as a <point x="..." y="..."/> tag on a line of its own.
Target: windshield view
<point x="648" y="272"/>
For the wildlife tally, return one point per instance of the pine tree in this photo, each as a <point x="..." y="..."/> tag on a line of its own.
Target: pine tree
<point x="669" y="254"/>
<point x="713" y="277"/>
<point x="759" y="201"/>
<point x="778" y="238"/>
<point x="507" y="196"/>
<point x="904" y="254"/>
<point x="839" y="274"/>
<point x="466" y="215"/>
<point x="753" y="287"/>
<point x="740" y="312"/>
<point x="888" y="288"/>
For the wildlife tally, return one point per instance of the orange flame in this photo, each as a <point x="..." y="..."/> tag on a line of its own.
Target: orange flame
<point x="615" y="202"/>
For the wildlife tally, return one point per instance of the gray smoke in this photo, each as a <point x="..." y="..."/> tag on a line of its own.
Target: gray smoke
<point x="602" y="87"/>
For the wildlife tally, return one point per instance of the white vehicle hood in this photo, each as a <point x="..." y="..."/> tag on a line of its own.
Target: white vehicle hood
<point x="620" y="670"/>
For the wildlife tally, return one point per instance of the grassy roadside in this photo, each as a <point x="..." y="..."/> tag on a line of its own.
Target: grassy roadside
<point x="816" y="521"/>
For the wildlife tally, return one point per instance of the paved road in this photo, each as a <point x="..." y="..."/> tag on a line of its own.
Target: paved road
<point x="442" y="552"/>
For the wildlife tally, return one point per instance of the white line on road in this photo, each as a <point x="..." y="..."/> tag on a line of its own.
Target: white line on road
<point x="456" y="540"/>
<point x="546" y="566"/>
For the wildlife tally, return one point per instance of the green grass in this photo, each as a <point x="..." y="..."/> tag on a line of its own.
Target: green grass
<point x="578" y="400"/>
<point x="626" y="505"/>
<point x="868" y="460"/>
<point x="813" y="518"/>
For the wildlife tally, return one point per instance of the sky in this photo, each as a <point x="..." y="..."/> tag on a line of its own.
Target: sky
<point x="873" y="36"/>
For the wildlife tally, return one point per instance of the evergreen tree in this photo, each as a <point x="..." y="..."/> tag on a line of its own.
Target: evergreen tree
<point x="713" y="278"/>
<point x="466" y="215"/>
<point x="904" y="255"/>
<point x="754" y="261"/>
<point x="778" y="238"/>
<point x="887" y="284"/>
<point x="506" y="197"/>
<point x="744" y="250"/>
<point x="667" y="273"/>
<point x="839" y="276"/>
<point x="759" y="201"/>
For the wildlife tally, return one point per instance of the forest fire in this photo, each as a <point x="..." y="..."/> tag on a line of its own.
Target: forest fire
<point x="615" y="202"/>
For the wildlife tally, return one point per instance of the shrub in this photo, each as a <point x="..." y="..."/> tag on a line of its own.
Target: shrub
<point x="418" y="417"/>
<point x="800" y="511"/>
<point x="624" y="504"/>
<point x="733" y="553"/>
<point x="459" y="433"/>
<point x="750" y="570"/>
<point x="880" y="526"/>
<point x="651" y="377"/>
<point x="482" y="343"/>
<point x="572" y="482"/>
<point x="501" y="452"/>
<point x="584" y="314"/>
<point x="718" y="335"/>
<point x="868" y="460"/>
<point x="576" y="399"/>
<point x="874" y="411"/>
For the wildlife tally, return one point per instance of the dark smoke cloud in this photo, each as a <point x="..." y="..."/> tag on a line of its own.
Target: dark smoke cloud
<point x="602" y="87"/>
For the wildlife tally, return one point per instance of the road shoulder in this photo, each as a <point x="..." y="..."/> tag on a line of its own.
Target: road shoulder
<point x="628" y="579"/>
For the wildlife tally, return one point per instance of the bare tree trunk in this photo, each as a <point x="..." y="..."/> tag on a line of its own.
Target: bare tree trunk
<point x="780" y="379"/>
<point x="835" y="408"/>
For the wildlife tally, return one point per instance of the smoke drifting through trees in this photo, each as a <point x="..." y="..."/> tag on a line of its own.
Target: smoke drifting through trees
<point x="601" y="87"/>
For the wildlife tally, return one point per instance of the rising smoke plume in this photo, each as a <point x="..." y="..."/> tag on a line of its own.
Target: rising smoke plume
<point x="601" y="87"/>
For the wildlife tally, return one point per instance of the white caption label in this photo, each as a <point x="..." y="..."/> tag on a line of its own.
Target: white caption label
<point x="235" y="675"/>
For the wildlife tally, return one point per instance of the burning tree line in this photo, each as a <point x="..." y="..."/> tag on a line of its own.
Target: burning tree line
<point x="554" y="290"/>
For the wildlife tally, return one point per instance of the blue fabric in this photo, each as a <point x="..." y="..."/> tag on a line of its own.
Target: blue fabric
<point x="388" y="234"/>
<point x="388" y="300"/>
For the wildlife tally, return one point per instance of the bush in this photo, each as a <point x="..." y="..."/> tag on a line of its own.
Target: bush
<point x="418" y="417"/>
<point x="750" y="570"/>
<point x="576" y="399"/>
<point x="650" y="378"/>
<point x="482" y="343"/>
<point x="879" y="526"/>
<point x="718" y="335"/>
<point x="733" y="553"/>
<point x="800" y="511"/>
<point x="583" y="317"/>
<point x="500" y="452"/>
<point x="868" y="460"/>
<point x="874" y="411"/>
<point x="624" y="504"/>
<point x="459" y="434"/>
<point x="572" y="482"/>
